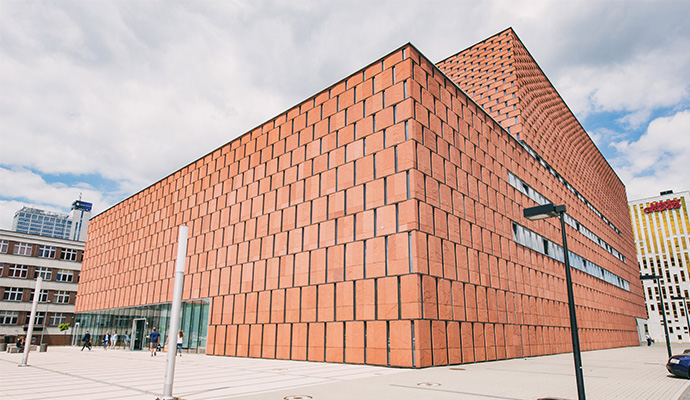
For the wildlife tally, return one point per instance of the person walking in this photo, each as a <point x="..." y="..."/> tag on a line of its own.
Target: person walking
<point x="86" y="340"/>
<point x="180" y="339"/>
<point x="649" y="339"/>
<point x="126" y="339"/>
<point x="113" y="340"/>
<point x="20" y="344"/>
<point x="154" y="337"/>
<point x="106" y="340"/>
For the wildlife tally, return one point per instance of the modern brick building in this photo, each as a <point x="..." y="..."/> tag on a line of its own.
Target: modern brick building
<point x="380" y="222"/>
<point x="662" y="237"/>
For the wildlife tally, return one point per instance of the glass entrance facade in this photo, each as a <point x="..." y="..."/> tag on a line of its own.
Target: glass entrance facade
<point x="133" y="324"/>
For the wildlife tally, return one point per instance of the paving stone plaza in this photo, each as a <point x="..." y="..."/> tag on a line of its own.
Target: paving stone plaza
<point x="67" y="373"/>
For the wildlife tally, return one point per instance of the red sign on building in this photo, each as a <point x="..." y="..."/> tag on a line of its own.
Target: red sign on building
<point x="663" y="205"/>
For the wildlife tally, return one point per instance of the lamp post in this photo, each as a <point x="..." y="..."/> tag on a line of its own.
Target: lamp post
<point x="175" y="309"/>
<point x="657" y="278"/>
<point x="685" y="304"/>
<point x="32" y="318"/>
<point x="75" y="333"/>
<point x="547" y="211"/>
<point x="45" y="316"/>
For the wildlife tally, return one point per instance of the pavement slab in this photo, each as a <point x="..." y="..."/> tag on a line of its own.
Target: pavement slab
<point x="631" y="373"/>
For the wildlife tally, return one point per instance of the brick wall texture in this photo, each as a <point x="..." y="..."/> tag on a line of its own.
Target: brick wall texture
<point x="372" y="223"/>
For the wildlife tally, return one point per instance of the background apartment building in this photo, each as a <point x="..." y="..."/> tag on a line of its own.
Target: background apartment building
<point x="662" y="238"/>
<point x="40" y="244"/>
<point x="23" y="258"/>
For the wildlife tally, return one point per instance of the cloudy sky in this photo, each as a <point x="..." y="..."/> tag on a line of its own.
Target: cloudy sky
<point x="103" y="98"/>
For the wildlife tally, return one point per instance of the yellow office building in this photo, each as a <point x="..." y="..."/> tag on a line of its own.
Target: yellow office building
<point x="662" y="240"/>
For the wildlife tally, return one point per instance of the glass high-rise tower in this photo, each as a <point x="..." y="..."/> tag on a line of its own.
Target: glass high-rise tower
<point x="70" y="226"/>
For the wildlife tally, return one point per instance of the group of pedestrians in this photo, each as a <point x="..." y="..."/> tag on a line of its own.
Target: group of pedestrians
<point x="154" y="340"/>
<point x="110" y="341"/>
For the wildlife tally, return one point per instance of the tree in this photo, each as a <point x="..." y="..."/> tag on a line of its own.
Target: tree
<point x="63" y="328"/>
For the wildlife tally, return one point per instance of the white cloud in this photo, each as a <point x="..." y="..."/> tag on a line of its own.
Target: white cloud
<point x="603" y="137"/>
<point x="658" y="79"/>
<point x="131" y="102"/>
<point x="610" y="56"/>
<point x="659" y="160"/>
<point x="22" y="187"/>
<point x="132" y="90"/>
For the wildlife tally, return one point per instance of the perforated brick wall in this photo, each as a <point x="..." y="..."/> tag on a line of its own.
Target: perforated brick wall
<point x="371" y="223"/>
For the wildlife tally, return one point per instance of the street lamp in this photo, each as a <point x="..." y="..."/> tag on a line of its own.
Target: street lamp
<point x="657" y="278"/>
<point x="547" y="211"/>
<point x="685" y="304"/>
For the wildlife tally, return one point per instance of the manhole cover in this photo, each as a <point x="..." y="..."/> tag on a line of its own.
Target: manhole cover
<point x="297" y="397"/>
<point x="428" y="384"/>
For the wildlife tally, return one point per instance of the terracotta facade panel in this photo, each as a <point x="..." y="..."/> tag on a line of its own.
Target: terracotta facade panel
<point x="376" y="223"/>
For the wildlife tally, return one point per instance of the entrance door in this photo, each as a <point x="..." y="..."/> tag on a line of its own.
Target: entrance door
<point x="138" y="329"/>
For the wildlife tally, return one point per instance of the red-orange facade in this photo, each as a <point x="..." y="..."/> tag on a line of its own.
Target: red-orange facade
<point x="380" y="222"/>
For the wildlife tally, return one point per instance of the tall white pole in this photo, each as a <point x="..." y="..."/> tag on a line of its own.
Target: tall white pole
<point x="30" y="331"/>
<point x="45" y="317"/>
<point x="75" y="333"/>
<point x="175" y="313"/>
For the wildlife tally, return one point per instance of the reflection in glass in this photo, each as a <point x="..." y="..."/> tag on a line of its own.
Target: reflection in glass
<point x="193" y="322"/>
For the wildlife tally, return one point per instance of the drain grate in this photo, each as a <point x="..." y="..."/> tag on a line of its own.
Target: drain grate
<point x="456" y="369"/>
<point x="298" y="397"/>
